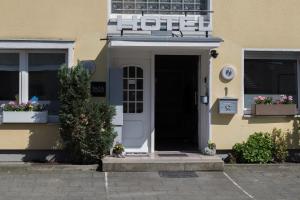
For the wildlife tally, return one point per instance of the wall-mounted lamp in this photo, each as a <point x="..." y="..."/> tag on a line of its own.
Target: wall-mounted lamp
<point x="214" y="53"/>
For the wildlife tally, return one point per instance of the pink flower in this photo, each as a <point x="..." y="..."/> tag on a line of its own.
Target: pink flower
<point x="290" y="98"/>
<point x="12" y="103"/>
<point x="283" y="97"/>
<point x="262" y="98"/>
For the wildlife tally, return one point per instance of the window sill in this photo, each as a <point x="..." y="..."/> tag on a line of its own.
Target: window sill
<point x="52" y="120"/>
<point x="248" y="114"/>
<point x="261" y="116"/>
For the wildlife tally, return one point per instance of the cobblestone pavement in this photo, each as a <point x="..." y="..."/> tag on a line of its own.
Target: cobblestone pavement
<point x="258" y="183"/>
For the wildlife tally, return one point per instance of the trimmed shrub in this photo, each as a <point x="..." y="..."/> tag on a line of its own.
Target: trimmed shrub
<point x="280" y="145"/>
<point x="86" y="128"/>
<point x="257" y="149"/>
<point x="99" y="134"/>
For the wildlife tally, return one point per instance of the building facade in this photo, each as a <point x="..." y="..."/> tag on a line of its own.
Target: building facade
<point x="180" y="72"/>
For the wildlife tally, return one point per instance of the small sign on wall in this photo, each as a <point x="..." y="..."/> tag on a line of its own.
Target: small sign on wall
<point x="98" y="89"/>
<point x="228" y="105"/>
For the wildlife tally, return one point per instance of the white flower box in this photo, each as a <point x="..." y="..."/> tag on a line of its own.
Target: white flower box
<point x="25" y="117"/>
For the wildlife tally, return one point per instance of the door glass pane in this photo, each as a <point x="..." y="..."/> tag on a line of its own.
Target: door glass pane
<point x="9" y="76"/>
<point x="131" y="96"/>
<point x="133" y="89"/>
<point x="139" y="73"/>
<point x="131" y="107"/>
<point x="43" y="80"/>
<point x="132" y="72"/>
<point x="139" y="107"/>
<point x="125" y="107"/>
<point x="139" y="84"/>
<point x="139" y="96"/>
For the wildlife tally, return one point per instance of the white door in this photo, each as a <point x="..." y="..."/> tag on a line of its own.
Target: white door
<point x="136" y="103"/>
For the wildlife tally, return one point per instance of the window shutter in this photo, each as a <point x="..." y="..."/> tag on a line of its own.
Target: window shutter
<point x="116" y="94"/>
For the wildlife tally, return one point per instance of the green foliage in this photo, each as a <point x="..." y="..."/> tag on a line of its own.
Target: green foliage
<point x="86" y="127"/>
<point x="238" y="150"/>
<point x="118" y="149"/>
<point x="279" y="139"/>
<point x="211" y="145"/>
<point x="257" y="149"/>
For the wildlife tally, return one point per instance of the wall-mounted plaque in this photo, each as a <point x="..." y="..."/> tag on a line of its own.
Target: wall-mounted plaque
<point x="98" y="89"/>
<point x="228" y="105"/>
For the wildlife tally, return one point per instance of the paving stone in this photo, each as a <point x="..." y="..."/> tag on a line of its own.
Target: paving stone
<point x="263" y="182"/>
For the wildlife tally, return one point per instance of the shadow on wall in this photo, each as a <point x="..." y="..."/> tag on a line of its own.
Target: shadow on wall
<point x="44" y="144"/>
<point x="30" y="142"/>
<point x="293" y="137"/>
<point x="265" y="120"/>
<point x="99" y="73"/>
<point x="219" y="119"/>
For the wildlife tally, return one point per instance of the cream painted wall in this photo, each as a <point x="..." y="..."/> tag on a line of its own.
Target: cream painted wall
<point x="249" y="24"/>
<point x="241" y="23"/>
<point x="22" y="136"/>
<point x="79" y="20"/>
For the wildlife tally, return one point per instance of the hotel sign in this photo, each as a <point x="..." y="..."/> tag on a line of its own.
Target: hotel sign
<point x="167" y="23"/>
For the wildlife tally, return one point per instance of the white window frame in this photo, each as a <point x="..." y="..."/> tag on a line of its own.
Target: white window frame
<point x="41" y="45"/>
<point x="280" y="54"/>
<point x="24" y="47"/>
<point x="128" y="16"/>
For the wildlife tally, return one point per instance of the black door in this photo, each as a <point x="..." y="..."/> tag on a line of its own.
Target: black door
<point x="176" y="116"/>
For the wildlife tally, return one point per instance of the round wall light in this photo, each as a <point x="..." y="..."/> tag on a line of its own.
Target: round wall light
<point x="228" y="73"/>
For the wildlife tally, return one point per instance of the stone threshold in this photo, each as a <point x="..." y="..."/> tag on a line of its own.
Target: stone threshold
<point x="191" y="161"/>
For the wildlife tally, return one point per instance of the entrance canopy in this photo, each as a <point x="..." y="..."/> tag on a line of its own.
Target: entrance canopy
<point x="164" y="41"/>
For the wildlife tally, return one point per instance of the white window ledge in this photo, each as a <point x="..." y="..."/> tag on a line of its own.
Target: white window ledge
<point x="264" y="116"/>
<point x="52" y="119"/>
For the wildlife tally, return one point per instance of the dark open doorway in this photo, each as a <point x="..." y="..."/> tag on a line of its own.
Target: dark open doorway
<point x="176" y="115"/>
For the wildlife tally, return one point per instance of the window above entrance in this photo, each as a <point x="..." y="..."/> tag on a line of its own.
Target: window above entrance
<point x="164" y="7"/>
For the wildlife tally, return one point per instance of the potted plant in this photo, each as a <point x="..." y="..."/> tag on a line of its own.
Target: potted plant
<point x="119" y="150"/>
<point x="265" y="106"/>
<point x="30" y="112"/>
<point x="211" y="149"/>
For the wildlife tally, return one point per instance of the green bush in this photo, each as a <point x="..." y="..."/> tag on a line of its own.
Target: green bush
<point x="86" y="128"/>
<point x="257" y="149"/>
<point x="99" y="133"/>
<point x="280" y="145"/>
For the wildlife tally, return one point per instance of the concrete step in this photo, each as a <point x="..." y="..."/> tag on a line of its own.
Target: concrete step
<point x="162" y="162"/>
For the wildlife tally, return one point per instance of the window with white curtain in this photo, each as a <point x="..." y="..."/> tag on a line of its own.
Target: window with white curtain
<point x="24" y="74"/>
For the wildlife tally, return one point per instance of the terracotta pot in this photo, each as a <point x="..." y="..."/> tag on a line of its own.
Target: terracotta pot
<point x="274" y="109"/>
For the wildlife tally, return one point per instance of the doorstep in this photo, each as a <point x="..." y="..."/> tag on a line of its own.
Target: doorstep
<point x="163" y="161"/>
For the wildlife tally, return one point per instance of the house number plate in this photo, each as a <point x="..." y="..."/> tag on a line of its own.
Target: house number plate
<point x="227" y="106"/>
